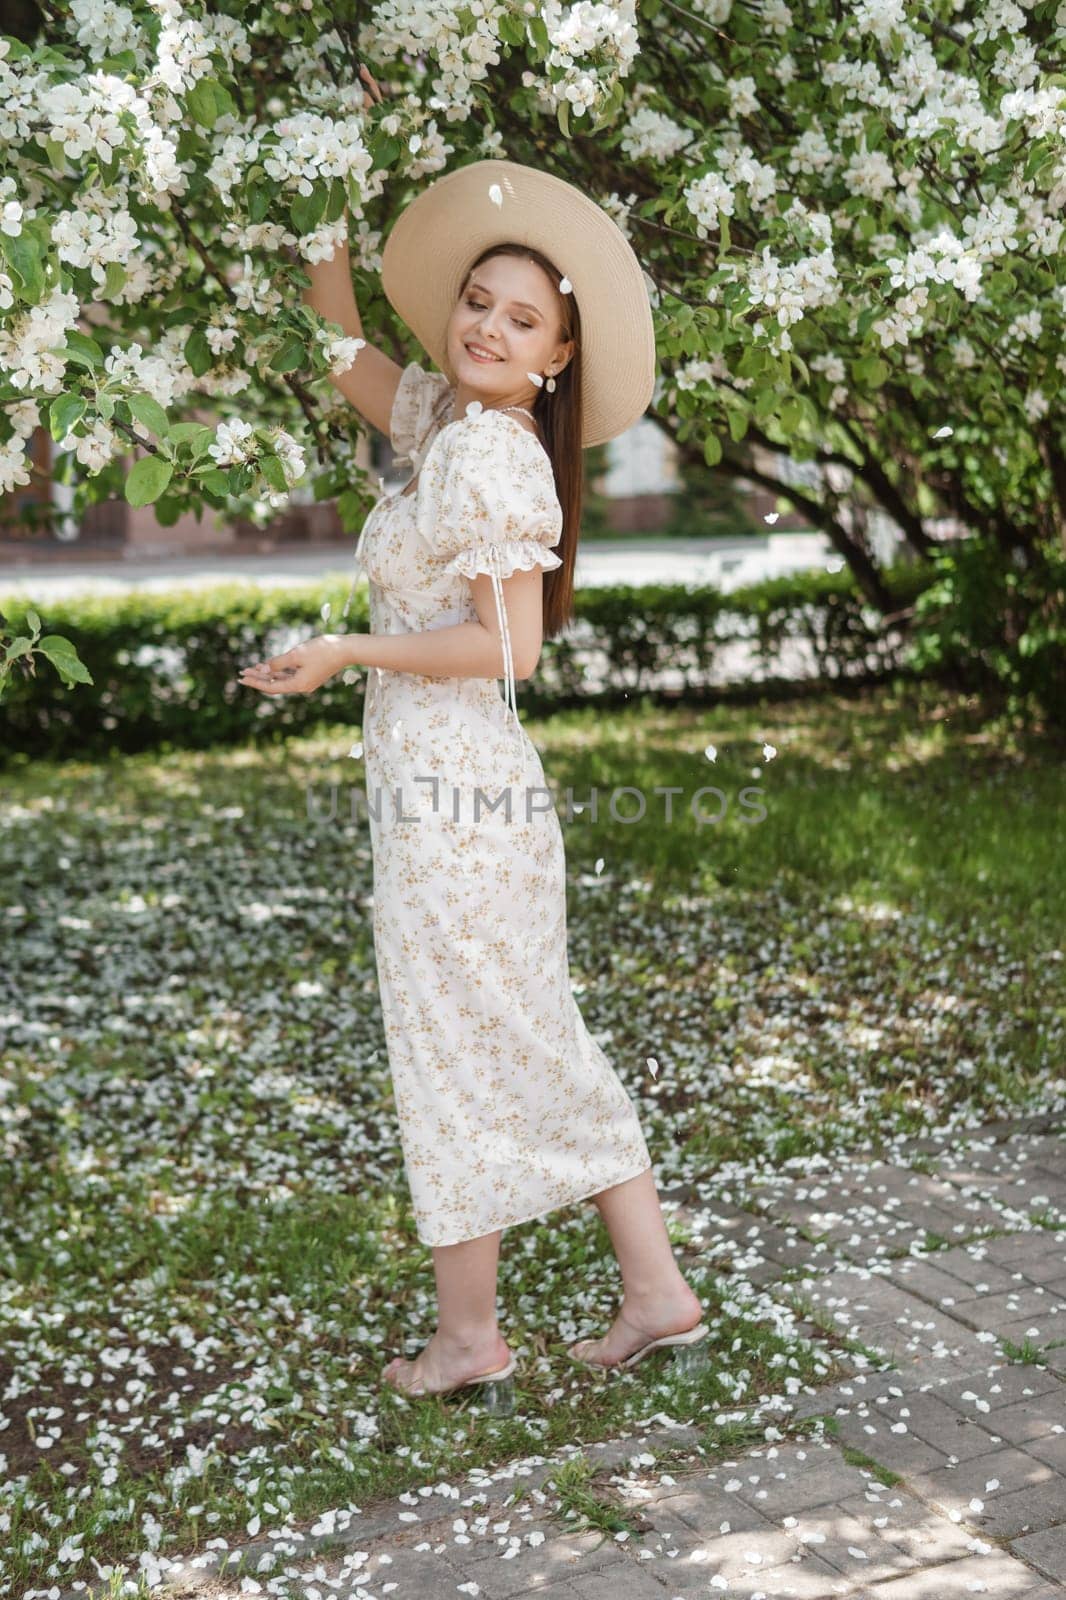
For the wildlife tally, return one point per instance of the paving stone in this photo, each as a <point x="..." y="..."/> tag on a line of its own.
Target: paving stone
<point x="1001" y="1385"/>
<point x="1051" y="1450"/>
<point x="871" y="1432"/>
<point x="417" y="1574"/>
<point x="1029" y="1420"/>
<point x="753" y="1245"/>
<point x="933" y="1424"/>
<point x="920" y="1532"/>
<point x="798" y="1478"/>
<point x="878" y="1312"/>
<point x="876" y="1208"/>
<point x="563" y="1557"/>
<point x="848" y="1541"/>
<point x="1045" y="1550"/>
<point x="771" y="1561"/>
<point x="927" y="1276"/>
<point x="1004" y="1577"/>
<point x="1041" y="1248"/>
<point x="1029" y="1495"/>
<point x="704" y="1508"/>
<point x="630" y="1584"/>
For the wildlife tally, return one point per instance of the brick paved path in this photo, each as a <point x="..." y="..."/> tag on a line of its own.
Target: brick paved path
<point x="943" y="1477"/>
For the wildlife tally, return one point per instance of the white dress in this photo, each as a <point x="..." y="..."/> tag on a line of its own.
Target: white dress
<point x="507" y="1106"/>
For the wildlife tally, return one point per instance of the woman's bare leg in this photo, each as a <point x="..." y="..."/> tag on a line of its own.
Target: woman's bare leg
<point x="656" y="1300"/>
<point x="468" y="1339"/>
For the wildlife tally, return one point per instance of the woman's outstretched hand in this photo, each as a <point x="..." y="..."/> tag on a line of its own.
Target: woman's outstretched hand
<point x="303" y="669"/>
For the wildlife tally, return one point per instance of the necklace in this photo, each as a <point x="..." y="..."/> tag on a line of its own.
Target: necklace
<point x="529" y="414"/>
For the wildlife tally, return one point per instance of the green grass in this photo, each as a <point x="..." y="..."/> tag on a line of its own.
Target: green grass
<point x="208" y="1253"/>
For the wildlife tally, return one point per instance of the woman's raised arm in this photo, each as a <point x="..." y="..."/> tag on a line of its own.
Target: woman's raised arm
<point x="370" y="382"/>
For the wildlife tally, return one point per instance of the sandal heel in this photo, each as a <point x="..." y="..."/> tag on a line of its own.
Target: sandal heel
<point x="496" y="1397"/>
<point x="691" y="1359"/>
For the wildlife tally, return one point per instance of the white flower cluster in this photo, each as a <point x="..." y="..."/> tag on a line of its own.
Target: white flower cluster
<point x="742" y="170"/>
<point x="308" y="148"/>
<point x="149" y="374"/>
<point x="793" y="288"/>
<point x="187" y="44"/>
<point x="104" y="28"/>
<point x="436" y="28"/>
<point x="232" y="442"/>
<point x="340" y="353"/>
<point x="92" y="239"/>
<point x="652" y="136"/>
<point x="26" y="344"/>
<point x="708" y="198"/>
<point x="24" y="416"/>
<point x="592" y="45"/>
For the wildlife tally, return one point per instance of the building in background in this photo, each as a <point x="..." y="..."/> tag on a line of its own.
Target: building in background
<point x="635" y="488"/>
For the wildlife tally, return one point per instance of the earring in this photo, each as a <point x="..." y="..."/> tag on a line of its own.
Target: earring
<point x="550" y="385"/>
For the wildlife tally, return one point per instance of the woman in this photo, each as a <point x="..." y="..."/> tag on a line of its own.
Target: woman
<point x="507" y="1106"/>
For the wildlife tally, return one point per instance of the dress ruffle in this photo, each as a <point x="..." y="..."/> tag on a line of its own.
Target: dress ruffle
<point x="510" y="556"/>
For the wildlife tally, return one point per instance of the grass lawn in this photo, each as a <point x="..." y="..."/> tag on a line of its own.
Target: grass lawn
<point x="207" y="1252"/>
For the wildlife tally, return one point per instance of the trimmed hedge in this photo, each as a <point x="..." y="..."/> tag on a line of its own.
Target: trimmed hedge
<point x="165" y="664"/>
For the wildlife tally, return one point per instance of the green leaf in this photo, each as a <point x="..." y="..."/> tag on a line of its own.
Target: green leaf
<point x="258" y="198"/>
<point x="150" y="412"/>
<point x="64" y="412"/>
<point x="23" y="255"/>
<point x="198" y="353"/>
<point x="712" y="450"/>
<point x="307" y="210"/>
<point x="115" y="280"/>
<point x="33" y="621"/>
<point x="563" y="112"/>
<point x="273" y="472"/>
<point x="201" y="103"/>
<point x="871" y="370"/>
<point x="148" y="478"/>
<point x="61" y="653"/>
<point x="192" y="433"/>
<point x="82" y="349"/>
<point x="724" y="236"/>
<point x="215" y="481"/>
<point x="292" y="355"/>
<point x="56" y="154"/>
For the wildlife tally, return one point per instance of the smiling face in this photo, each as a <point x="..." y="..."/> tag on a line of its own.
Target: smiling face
<point x="505" y="325"/>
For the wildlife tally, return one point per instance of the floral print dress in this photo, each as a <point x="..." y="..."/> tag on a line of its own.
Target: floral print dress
<point x="507" y="1107"/>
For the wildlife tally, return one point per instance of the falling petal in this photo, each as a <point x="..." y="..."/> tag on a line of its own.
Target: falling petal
<point x="599" y="864"/>
<point x="356" y="751"/>
<point x="768" y="752"/>
<point x="324" y="613"/>
<point x="653" y="1066"/>
<point x="535" y="377"/>
<point x="771" y="516"/>
<point x="710" y="752"/>
<point x="565" y="286"/>
<point x="943" y="433"/>
<point x="496" y="194"/>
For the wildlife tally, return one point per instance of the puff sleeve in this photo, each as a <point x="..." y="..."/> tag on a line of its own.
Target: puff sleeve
<point x="417" y="410"/>
<point x="490" y="506"/>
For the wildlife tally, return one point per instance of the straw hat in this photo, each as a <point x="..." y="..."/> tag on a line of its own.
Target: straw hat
<point x="443" y="230"/>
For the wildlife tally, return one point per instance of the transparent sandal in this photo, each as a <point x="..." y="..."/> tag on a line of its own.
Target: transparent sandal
<point x="497" y="1388"/>
<point x="691" y="1351"/>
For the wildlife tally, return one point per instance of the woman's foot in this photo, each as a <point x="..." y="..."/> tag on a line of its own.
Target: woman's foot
<point x="638" y="1321"/>
<point x="443" y="1362"/>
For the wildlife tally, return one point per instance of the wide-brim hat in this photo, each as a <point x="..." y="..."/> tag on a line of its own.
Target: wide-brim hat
<point x="445" y="228"/>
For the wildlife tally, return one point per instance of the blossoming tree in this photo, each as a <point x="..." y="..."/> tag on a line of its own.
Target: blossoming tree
<point x="849" y="212"/>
